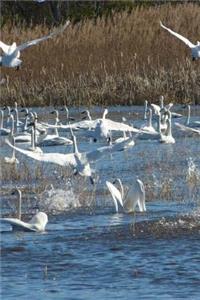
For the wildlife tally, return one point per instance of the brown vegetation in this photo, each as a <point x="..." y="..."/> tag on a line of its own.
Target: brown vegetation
<point x="120" y="60"/>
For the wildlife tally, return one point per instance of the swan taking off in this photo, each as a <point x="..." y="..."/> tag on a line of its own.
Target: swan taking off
<point x="195" y="49"/>
<point x="133" y="197"/>
<point x="11" y="54"/>
<point x="37" y="223"/>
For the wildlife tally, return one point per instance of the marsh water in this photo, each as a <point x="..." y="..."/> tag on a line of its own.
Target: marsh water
<point x="89" y="251"/>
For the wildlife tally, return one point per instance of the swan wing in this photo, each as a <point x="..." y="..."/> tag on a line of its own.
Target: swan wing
<point x="5" y="47"/>
<point x="141" y="201"/>
<point x="36" y="41"/>
<point x="180" y="37"/>
<point x="115" y="193"/>
<point x="18" y="224"/>
<point x="56" y="158"/>
<point x="186" y="128"/>
<point x="117" y="126"/>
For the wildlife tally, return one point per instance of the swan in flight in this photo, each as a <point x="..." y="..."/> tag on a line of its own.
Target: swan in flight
<point x="195" y="49"/>
<point x="92" y="124"/>
<point x="37" y="223"/>
<point x="133" y="197"/>
<point x="78" y="161"/>
<point x="11" y="54"/>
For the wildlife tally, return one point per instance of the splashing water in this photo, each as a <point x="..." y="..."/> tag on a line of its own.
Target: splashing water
<point x="192" y="179"/>
<point x="59" y="199"/>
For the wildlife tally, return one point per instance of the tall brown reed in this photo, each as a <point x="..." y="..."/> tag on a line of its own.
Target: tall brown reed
<point x="119" y="60"/>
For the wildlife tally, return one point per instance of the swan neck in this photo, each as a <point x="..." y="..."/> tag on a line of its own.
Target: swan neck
<point x="188" y="116"/>
<point x="1" y="123"/>
<point x="19" y="204"/>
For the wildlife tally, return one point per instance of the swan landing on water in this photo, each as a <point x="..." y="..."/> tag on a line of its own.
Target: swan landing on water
<point x="36" y="224"/>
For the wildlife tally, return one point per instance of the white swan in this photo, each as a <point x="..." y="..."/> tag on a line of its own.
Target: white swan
<point x="37" y="223"/>
<point x="133" y="197"/>
<point x="195" y="49"/>
<point x="53" y="139"/>
<point x="148" y="127"/>
<point x="92" y="124"/>
<point x="12" y="159"/>
<point x="188" y="122"/>
<point x="167" y="137"/>
<point x="78" y="161"/>
<point x="19" y="137"/>
<point x="3" y="131"/>
<point x="12" y="52"/>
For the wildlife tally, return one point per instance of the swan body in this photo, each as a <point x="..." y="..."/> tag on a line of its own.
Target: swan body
<point x="37" y="223"/>
<point x="195" y="49"/>
<point x="12" y="159"/>
<point x="134" y="196"/>
<point x="12" y="52"/>
<point x="167" y="137"/>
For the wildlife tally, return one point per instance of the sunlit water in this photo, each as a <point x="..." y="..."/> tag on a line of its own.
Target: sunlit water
<point x="90" y="252"/>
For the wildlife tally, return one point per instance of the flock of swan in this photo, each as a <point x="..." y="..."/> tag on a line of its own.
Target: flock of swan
<point x="36" y="135"/>
<point x="32" y="134"/>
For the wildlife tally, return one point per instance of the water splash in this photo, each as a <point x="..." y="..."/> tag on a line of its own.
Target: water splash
<point x="56" y="200"/>
<point x="193" y="179"/>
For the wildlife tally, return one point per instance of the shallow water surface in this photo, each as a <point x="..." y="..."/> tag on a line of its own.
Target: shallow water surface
<point x="88" y="251"/>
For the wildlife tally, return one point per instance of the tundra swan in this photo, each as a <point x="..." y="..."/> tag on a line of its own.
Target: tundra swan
<point x="195" y="49"/>
<point x="37" y="223"/>
<point x="78" y="161"/>
<point x="133" y="197"/>
<point x="12" y="52"/>
<point x="12" y="159"/>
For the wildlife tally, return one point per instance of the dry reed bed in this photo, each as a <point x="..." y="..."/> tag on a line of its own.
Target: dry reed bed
<point x="120" y="60"/>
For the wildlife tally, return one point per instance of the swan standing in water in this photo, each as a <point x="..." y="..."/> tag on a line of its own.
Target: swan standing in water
<point x="188" y="122"/>
<point x="167" y="137"/>
<point x="12" y="52"/>
<point x="53" y="139"/>
<point x="133" y="197"/>
<point x="3" y="131"/>
<point x="12" y="159"/>
<point x="195" y="49"/>
<point x="37" y="223"/>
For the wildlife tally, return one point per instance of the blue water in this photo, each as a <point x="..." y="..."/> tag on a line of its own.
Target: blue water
<point x="89" y="251"/>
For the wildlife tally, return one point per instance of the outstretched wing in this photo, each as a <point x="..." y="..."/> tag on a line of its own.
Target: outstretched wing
<point x="55" y="158"/>
<point x="36" y="41"/>
<point x="115" y="193"/>
<point x="180" y="37"/>
<point x="4" y="47"/>
<point x="18" y="224"/>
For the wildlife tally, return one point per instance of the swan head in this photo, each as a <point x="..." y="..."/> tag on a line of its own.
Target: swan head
<point x="16" y="191"/>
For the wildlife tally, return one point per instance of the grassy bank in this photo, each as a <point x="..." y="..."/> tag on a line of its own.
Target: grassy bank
<point x="121" y="60"/>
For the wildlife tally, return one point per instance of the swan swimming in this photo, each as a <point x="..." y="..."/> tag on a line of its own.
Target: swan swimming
<point x="12" y="52"/>
<point x="36" y="224"/>
<point x="12" y="159"/>
<point x="133" y="197"/>
<point x="195" y="49"/>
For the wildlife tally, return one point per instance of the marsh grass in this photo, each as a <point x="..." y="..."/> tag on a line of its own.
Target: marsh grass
<point x="122" y="59"/>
